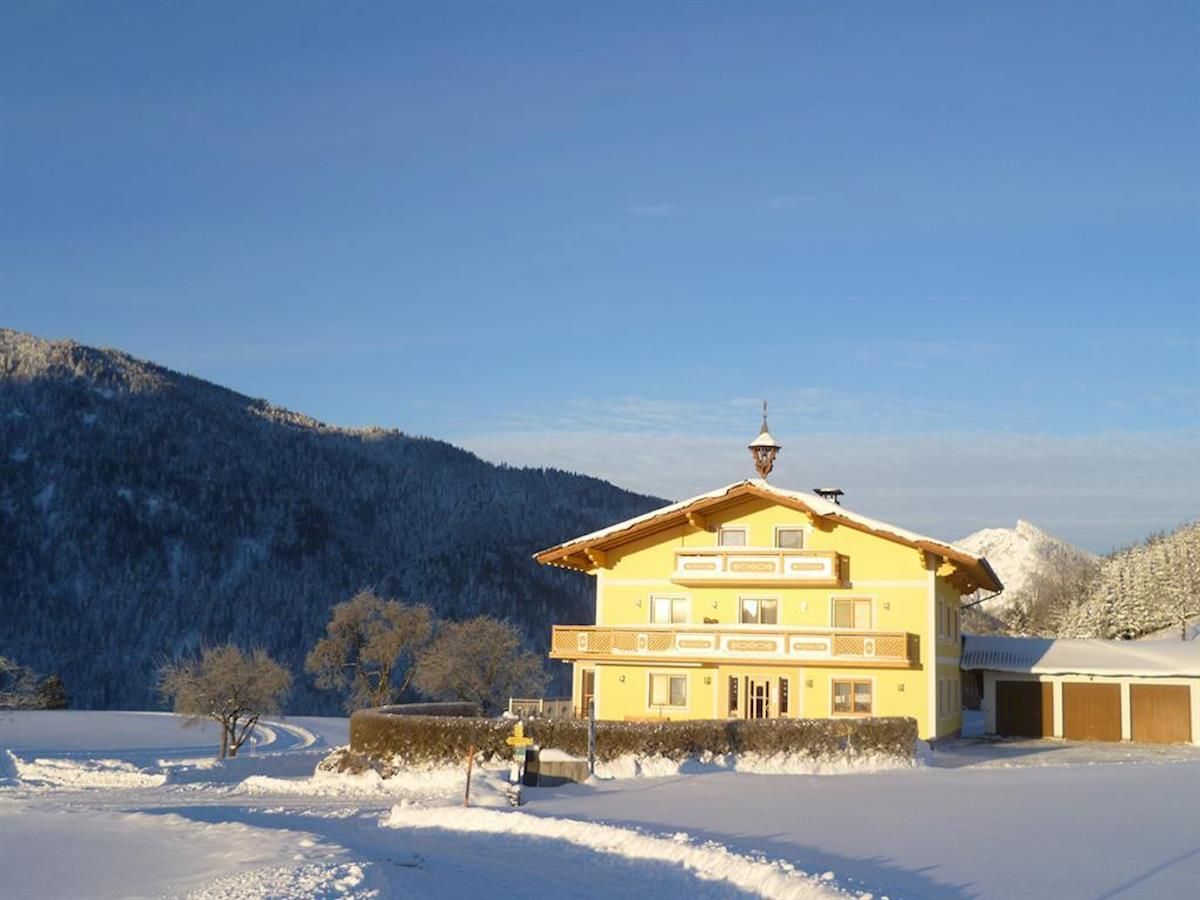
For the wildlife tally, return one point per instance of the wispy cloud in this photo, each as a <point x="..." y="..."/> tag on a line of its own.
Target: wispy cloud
<point x="820" y="407"/>
<point x="660" y="210"/>
<point x="1099" y="491"/>
<point x="781" y="202"/>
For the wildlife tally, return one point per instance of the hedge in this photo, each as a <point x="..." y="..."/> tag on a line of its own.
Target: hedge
<point x="425" y="739"/>
<point x="450" y="708"/>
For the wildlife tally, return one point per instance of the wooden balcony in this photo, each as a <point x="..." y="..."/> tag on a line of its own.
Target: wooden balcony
<point x="765" y="566"/>
<point x="735" y="644"/>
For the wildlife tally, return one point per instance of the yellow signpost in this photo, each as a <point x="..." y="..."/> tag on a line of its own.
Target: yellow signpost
<point x="519" y="742"/>
<point x="520" y="745"/>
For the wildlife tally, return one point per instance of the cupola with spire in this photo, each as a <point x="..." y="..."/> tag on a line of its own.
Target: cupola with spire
<point x="764" y="448"/>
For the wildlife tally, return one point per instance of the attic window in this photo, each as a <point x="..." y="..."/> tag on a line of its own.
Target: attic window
<point x="732" y="537"/>
<point x="789" y="538"/>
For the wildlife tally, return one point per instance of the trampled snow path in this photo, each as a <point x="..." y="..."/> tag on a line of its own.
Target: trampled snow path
<point x="1018" y="819"/>
<point x="771" y="879"/>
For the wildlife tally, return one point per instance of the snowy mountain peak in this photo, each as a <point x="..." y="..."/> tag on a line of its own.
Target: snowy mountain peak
<point x="1018" y="555"/>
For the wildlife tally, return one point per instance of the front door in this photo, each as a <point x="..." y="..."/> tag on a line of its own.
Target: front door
<point x="758" y="698"/>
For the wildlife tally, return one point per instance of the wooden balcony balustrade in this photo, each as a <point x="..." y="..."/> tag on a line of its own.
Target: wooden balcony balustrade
<point x="761" y="566"/>
<point x="732" y="643"/>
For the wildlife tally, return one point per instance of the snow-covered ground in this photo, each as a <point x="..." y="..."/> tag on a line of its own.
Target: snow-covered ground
<point x="132" y="805"/>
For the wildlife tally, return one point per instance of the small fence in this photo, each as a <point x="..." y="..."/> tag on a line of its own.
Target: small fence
<point x="541" y="707"/>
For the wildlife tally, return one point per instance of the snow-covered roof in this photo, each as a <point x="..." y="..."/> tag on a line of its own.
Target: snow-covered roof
<point x="1061" y="656"/>
<point x="621" y="531"/>
<point x="764" y="439"/>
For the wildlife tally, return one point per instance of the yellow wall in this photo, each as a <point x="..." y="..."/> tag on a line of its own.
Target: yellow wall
<point x="898" y="579"/>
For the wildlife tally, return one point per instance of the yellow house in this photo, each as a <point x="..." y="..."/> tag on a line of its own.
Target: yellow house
<point x="755" y="602"/>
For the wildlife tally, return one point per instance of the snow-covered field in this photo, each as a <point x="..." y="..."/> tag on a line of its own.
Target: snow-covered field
<point x="132" y="805"/>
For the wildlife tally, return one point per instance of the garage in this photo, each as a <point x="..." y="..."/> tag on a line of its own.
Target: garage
<point x="1145" y="691"/>
<point x="1024" y="709"/>
<point x="1091" y="712"/>
<point x="1160" y="713"/>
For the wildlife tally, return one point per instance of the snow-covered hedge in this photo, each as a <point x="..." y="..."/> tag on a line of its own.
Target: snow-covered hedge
<point x="422" y="739"/>
<point x="450" y="708"/>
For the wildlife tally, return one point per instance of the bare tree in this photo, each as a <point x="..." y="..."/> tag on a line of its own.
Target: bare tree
<point x="368" y="642"/>
<point x="479" y="660"/>
<point x="228" y="686"/>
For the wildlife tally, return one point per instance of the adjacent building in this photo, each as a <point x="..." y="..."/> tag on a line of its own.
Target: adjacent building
<point x="1088" y="690"/>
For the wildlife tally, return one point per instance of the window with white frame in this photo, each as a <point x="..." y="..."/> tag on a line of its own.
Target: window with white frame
<point x="789" y="537"/>
<point x="758" y="611"/>
<point x="733" y="536"/>
<point x="668" y="690"/>
<point x="666" y="610"/>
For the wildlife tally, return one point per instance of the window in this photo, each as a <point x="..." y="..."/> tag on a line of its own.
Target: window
<point x="851" y="698"/>
<point x="734" y="682"/>
<point x="954" y="623"/>
<point x="789" y="538"/>
<point x="759" y="611"/>
<point x="668" y="690"/>
<point x="851" y="612"/>
<point x="783" y="696"/>
<point x="668" y="610"/>
<point x="732" y="537"/>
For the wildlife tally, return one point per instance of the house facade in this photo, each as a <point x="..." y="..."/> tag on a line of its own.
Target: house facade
<point x="756" y="602"/>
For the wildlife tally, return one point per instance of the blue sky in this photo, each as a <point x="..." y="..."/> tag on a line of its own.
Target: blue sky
<point x="954" y="244"/>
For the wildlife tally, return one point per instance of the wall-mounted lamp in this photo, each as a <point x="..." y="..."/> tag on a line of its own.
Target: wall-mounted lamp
<point x="887" y="604"/>
<point x="708" y="679"/>
<point x="804" y="605"/>
<point x="900" y="688"/>
<point x="714" y="604"/>
<point x="621" y="678"/>
<point x="808" y="682"/>
<point x="637" y="601"/>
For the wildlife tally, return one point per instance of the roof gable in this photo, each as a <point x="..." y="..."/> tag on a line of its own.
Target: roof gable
<point x="587" y="551"/>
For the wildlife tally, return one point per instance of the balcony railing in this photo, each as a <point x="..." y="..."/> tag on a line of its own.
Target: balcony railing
<point x="733" y="643"/>
<point x="760" y="565"/>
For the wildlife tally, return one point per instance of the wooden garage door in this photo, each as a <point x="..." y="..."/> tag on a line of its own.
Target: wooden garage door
<point x="1091" y="712"/>
<point x="1161" y="713"/>
<point x="1024" y="708"/>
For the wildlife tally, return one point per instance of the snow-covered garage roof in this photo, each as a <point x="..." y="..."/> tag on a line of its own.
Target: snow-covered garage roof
<point x="1050" y="656"/>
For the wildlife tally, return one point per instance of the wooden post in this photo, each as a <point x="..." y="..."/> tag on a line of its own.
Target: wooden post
<point x="592" y="736"/>
<point x="470" y="765"/>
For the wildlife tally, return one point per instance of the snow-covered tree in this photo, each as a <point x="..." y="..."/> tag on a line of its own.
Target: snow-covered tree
<point x="228" y="686"/>
<point x="479" y="660"/>
<point x="1146" y="588"/>
<point x="368" y="649"/>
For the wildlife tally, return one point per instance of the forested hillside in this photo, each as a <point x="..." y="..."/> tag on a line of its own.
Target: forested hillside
<point x="1151" y="587"/>
<point x="144" y="512"/>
